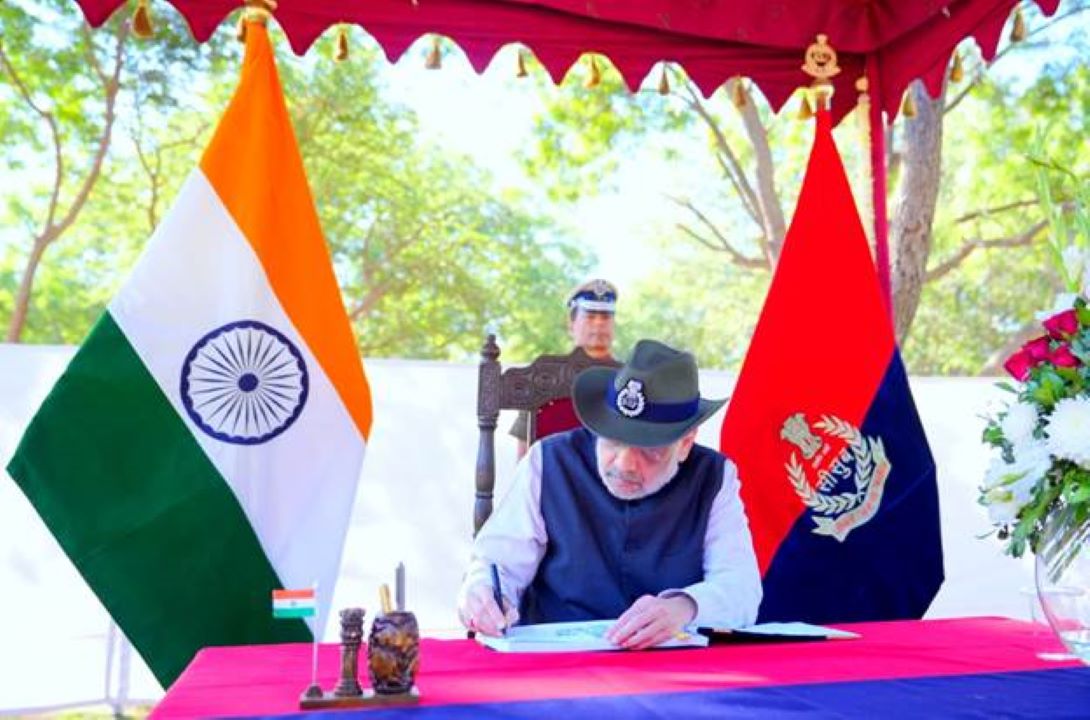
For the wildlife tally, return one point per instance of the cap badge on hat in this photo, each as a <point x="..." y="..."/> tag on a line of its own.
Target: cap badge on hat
<point x="630" y="400"/>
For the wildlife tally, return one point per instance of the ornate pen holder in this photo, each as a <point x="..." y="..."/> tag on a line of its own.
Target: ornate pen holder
<point x="393" y="655"/>
<point x="393" y="651"/>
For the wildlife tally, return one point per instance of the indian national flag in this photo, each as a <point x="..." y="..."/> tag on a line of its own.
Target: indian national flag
<point x="294" y="603"/>
<point x="204" y="445"/>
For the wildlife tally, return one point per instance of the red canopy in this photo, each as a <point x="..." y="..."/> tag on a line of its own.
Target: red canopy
<point x="714" y="40"/>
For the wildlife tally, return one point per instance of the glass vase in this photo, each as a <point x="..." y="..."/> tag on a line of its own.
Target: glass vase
<point x="1063" y="577"/>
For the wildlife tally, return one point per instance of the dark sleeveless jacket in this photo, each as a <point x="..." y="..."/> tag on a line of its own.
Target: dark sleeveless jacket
<point x="603" y="553"/>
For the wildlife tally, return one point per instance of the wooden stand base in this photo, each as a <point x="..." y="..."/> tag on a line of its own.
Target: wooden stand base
<point x="309" y="701"/>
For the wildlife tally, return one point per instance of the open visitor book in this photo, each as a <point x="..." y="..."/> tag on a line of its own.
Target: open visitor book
<point x="589" y="635"/>
<point x="580" y="636"/>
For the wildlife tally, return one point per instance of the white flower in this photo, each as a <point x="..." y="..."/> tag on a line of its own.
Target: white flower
<point x="1031" y="462"/>
<point x="1069" y="430"/>
<point x="1064" y="301"/>
<point x="1009" y="486"/>
<point x="1019" y="422"/>
<point x="1074" y="259"/>
<point x="1002" y="508"/>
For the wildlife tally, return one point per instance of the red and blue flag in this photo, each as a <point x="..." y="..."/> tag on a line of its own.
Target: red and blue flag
<point x="837" y="477"/>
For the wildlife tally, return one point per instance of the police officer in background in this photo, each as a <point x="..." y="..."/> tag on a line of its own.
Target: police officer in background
<point x="591" y="308"/>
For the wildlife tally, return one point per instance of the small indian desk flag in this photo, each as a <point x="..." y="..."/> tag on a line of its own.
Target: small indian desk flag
<point x="294" y="603"/>
<point x="204" y="445"/>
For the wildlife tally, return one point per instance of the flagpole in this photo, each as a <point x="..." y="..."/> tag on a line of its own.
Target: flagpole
<point x="314" y="646"/>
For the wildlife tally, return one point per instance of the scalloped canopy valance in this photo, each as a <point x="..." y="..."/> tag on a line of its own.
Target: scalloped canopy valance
<point x="892" y="41"/>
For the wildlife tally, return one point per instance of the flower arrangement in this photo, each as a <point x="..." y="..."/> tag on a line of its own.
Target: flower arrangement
<point x="1043" y="435"/>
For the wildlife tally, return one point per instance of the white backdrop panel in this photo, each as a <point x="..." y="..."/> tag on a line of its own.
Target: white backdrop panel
<point x="414" y="505"/>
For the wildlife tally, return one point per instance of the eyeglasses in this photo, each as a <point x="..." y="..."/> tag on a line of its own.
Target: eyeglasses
<point x="648" y="455"/>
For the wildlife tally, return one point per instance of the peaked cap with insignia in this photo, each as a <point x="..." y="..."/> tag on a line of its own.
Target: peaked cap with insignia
<point x="595" y="296"/>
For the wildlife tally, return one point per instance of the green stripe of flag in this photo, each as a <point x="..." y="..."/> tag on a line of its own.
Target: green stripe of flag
<point x="293" y="612"/>
<point x="121" y="482"/>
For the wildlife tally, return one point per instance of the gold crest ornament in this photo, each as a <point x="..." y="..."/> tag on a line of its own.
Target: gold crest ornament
<point x="849" y="485"/>
<point x="820" y="60"/>
<point x="820" y="64"/>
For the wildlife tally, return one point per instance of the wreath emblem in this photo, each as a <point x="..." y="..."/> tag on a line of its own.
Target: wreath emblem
<point x="630" y="400"/>
<point x="861" y="465"/>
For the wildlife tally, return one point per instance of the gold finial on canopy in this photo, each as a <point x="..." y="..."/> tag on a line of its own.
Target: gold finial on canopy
<point x="141" y="21"/>
<point x="257" y="11"/>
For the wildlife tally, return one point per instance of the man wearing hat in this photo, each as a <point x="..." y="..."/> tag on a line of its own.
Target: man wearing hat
<point x="591" y="308"/>
<point x="623" y="518"/>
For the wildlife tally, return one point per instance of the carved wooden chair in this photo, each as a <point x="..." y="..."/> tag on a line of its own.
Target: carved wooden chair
<point x="542" y="389"/>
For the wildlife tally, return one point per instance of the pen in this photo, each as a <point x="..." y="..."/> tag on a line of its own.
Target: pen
<point x="497" y="593"/>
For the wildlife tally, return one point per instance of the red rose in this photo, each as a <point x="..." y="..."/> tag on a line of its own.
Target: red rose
<point x="1062" y="325"/>
<point x="1062" y="357"/>
<point x="1019" y="365"/>
<point x="1037" y="349"/>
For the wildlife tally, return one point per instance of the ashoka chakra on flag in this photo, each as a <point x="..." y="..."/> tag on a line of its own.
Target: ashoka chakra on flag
<point x="244" y="383"/>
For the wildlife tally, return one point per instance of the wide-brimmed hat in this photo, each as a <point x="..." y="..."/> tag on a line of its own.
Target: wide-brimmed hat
<point x="652" y="400"/>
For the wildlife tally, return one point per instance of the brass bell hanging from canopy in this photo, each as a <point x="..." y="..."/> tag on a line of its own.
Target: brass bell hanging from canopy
<point x="141" y="21"/>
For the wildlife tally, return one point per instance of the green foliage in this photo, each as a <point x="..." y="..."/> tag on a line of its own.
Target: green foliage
<point x="972" y="318"/>
<point x="700" y="304"/>
<point x="967" y="316"/>
<point x="54" y="119"/>
<point x="428" y="250"/>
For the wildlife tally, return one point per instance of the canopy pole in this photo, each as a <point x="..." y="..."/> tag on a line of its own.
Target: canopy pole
<point x="878" y="180"/>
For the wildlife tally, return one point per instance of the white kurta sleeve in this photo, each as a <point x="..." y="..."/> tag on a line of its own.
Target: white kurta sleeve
<point x="514" y="537"/>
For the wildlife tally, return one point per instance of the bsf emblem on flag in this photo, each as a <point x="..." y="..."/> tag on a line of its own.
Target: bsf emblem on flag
<point x="849" y="485"/>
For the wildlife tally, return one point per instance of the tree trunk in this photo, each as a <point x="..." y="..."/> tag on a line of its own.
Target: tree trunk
<point x="26" y="283"/>
<point x="917" y="195"/>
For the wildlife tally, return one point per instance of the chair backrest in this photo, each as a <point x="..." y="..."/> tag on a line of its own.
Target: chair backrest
<point x="542" y="389"/>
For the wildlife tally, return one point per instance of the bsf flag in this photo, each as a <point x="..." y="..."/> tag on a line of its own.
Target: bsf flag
<point x="837" y="478"/>
<point x="204" y="445"/>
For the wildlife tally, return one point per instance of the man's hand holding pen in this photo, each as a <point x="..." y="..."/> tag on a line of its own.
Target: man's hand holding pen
<point x="480" y="612"/>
